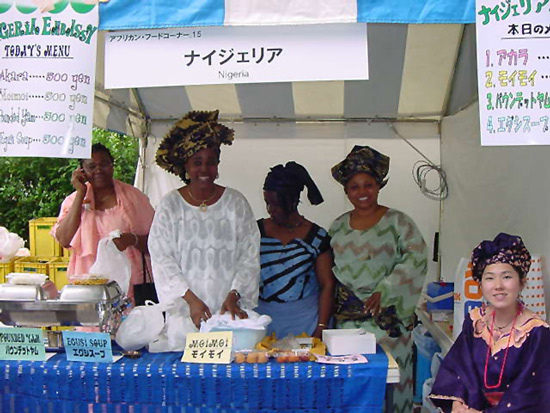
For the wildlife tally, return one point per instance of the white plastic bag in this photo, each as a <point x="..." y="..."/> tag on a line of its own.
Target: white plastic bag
<point x="112" y="263"/>
<point x="141" y="326"/>
<point x="219" y="322"/>
<point x="9" y="244"/>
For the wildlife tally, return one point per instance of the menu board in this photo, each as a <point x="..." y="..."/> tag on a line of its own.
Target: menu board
<point x="513" y="61"/>
<point x="47" y="77"/>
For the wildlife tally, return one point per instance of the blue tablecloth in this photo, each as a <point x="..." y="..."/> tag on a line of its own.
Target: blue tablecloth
<point x="161" y="383"/>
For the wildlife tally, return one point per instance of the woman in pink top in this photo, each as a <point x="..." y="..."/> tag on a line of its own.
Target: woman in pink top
<point x="100" y="205"/>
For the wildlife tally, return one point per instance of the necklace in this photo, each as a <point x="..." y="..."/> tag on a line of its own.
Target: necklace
<point x="291" y="227"/>
<point x="496" y="386"/>
<point x="100" y="200"/>
<point x="203" y="206"/>
<point x="505" y="325"/>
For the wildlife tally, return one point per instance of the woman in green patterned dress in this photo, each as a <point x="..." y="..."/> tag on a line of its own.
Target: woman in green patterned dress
<point x="380" y="262"/>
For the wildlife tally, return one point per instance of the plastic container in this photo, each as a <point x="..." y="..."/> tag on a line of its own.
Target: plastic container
<point x="426" y="348"/>
<point x="6" y="268"/>
<point x="34" y="264"/>
<point x="244" y="338"/>
<point x="41" y="241"/>
<point x="345" y="341"/>
<point x="251" y="356"/>
<point x="58" y="272"/>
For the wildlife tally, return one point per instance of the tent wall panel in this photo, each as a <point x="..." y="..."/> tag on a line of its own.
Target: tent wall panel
<point x="430" y="59"/>
<point x="464" y="88"/>
<point x="379" y="97"/>
<point x="222" y="97"/>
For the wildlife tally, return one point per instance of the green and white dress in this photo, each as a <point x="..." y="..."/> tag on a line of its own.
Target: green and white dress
<point x="390" y="258"/>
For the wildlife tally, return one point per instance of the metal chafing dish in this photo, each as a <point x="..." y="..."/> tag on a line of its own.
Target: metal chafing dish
<point x="75" y="305"/>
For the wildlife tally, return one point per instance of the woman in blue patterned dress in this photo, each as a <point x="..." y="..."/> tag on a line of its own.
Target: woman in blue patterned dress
<point x="297" y="284"/>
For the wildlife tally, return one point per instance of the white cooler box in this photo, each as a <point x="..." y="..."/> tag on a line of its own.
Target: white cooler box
<point x="342" y="342"/>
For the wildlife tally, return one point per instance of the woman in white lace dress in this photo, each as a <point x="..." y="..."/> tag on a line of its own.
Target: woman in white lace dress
<point x="204" y="241"/>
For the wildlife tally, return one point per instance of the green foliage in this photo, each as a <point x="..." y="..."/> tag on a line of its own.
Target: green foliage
<point x="36" y="187"/>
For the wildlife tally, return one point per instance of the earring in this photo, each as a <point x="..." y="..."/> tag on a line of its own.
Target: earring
<point x="186" y="176"/>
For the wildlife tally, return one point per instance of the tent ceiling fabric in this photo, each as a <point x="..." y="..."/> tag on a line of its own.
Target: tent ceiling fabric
<point x="141" y="14"/>
<point x="411" y="70"/>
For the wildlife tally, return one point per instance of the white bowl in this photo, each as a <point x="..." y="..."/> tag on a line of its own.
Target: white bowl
<point x="244" y="338"/>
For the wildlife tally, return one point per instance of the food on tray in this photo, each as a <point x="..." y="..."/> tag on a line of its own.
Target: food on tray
<point x="240" y="358"/>
<point x="251" y="357"/>
<point x="26" y="278"/>
<point x="88" y="279"/>
<point x="297" y="344"/>
<point x="293" y="356"/>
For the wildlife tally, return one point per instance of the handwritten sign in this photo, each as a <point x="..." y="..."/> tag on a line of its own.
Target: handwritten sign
<point x="88" y="347"/>
<point x="213" y="348"/>
<point x="47" y="78"/>
<point x="22" y="344"/>
<point x="227" y="55"/>
<point x="513" y="72"/>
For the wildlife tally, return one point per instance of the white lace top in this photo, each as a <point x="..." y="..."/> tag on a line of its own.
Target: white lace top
<point x="211" y="253"/>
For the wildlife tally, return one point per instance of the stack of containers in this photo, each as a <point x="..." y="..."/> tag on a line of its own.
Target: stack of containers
<point x="47" y="255"/>
<point x="6" y="268"/>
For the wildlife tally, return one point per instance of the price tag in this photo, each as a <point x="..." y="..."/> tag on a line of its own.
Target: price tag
<point x="22" y="344"/>
<point x="88" y="347"/>
<point x="211" y="348"/>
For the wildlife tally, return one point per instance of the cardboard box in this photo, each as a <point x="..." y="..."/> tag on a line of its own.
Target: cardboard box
<point x="440" y="296"/>
<point x="342" y="342"/>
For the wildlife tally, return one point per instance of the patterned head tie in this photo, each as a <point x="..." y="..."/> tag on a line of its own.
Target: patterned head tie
<point x="362" y="159"/>
<point x="192" y="133"/>
<point x="290" y="180"/>
<point x="506" y="249"/>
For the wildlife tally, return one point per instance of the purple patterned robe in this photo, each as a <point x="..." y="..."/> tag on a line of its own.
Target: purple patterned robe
<point x="525" y="383"/>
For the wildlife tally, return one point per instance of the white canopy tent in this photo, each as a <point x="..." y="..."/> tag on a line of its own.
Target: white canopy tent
<point x="420" y="101"/>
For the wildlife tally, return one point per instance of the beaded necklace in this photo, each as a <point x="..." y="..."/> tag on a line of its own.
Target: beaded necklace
<point x="491" y="331"/>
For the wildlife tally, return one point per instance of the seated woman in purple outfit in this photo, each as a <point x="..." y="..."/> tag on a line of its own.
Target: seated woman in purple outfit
<point x="499" y="362"/>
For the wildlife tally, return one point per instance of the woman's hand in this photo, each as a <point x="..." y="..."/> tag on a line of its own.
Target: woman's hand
<point x="231" y="306"/>
<point x="372" y="304"/>
<point x="126" y="239"/>
<point x="198" y="310"/>
<point x="78" y="180"/>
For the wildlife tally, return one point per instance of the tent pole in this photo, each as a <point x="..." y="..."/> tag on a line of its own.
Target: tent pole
<point x="311" y="120"/>
<point x="143" y="140"/>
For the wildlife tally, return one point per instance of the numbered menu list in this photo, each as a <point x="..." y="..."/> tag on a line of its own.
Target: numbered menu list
<point x="47" y="82"/>
<point x="513" y="73"/>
